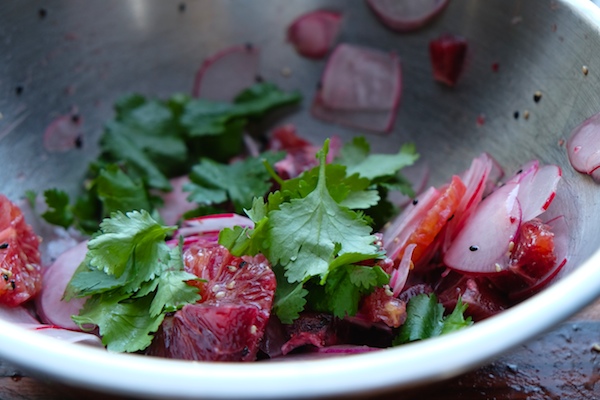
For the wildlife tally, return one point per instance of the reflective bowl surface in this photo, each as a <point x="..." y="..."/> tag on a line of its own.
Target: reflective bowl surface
<point x="86" y="54"/>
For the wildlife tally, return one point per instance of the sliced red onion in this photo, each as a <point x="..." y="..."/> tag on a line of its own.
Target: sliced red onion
<point x="537" y="190"/>
<point x="485" y="238"/>
<point x="50" y="306"/>
<point x="212" y="224"/>
<point x="175" y="202"/>
<point x="397" y="233"/>
<point x="314" y="33"/>
<point x="63" y="134"/>
<point x="406" y="15"/>
<point x="225" y="74"/>
<point x="399" y="276"/>
<point x="360" y="88"/>
<point x="361" y="78"/>
<point x="562" y="237"/>
<point x="583" y="147"/>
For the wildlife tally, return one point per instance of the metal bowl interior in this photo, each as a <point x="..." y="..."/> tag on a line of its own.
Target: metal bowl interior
<point x="85" y="55"/>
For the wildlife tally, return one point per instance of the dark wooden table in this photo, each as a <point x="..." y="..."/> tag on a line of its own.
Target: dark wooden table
<point x="561" y="364"/>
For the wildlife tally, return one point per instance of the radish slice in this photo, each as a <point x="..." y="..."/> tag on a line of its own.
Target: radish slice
<point x="529" y="168"/>
<point x="561" y="249"/>
<point x="314" y="33"/>
<point x="400" y="275"/>
<point x="212" y="224"/>
<point x="20" y="316"/>
<point x="51" y="308"/>
<point x="63" y="134"/>
<point x="397" y="233"/>
<point x="583" y="147"/>
<point x="537" y="190"/>
<point x="406" y="15"/>
<point x="495" y="175"/>
<point x="175" y="202"/>
<point x="360" y="78"/>
<point x="66" y="335"/>
<point x="360" y="88"/>
<point x="375" y="121"/>
<point x="475" y="179"/>
<point x="485" y="238"/>
<point x="224" y="75"/>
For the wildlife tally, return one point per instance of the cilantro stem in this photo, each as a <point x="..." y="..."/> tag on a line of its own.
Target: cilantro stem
<point x="272" y="172"/>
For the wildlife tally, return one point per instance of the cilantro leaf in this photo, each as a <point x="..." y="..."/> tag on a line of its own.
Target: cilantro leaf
<point x="58" y="213"/>
<point x="133" y="278"/>
<point x="125" y="325"/>
<point x="205" y="118"/>
<point x="346" y="285"/>
<point x="118" y="192"/>
<point x="290" y="298"/>
<point x="304" y="232"/>
<point x="425" y="319"/>
<point x="355" y="156"/>
<point x="134" y="235"/>
<point x="239" y="182"/>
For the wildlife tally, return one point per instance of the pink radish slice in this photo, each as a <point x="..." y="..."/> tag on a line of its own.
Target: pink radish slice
<point x="66" y="335"/>
<point x="20" y="316"/>
<point x="51" y="308"/>
<point x="495" y="175"/>
<point x="475" y="179"/>
<point x="314" y="33"/>
<point x="175" y="202"/>
<point x="561" y="249"/>
<point x="406" y="15"/>
<point x="485" y="238"/>
<point x="537" y="190"/>
<point x="212" y="224"/>
<point x="375" y="121"/>
<point x="224" y="75"/>
<point x="583" y="147"/>
<point x="528" y="168"/>
<point x="418" y="175"/>
<point x="361" y="78"/>
<point x="400" y="275"/>
<point x="397" y="233"/>
<point x="63" y="134"/>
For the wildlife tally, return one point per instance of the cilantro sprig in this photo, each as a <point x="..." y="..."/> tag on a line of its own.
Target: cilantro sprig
<point x="132" y="279"/>
<point x="150" y="141"/>
<point x="316" y="237"/>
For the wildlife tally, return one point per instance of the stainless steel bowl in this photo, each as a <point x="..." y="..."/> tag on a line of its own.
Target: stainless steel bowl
<point x="85" y="54"/>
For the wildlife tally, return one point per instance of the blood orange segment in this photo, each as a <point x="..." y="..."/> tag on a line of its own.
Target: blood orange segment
<point x="20" y="271"/>
<point x="228" y="323"/>
<point x="435" y="219"/>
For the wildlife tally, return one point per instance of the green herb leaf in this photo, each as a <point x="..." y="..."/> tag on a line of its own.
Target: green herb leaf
<point x="125" y="325"/>
<point x="425" y="319"/>
<point x="59" y="212"/>
<point x="304" y="232"/>
<point x="133" y="278"/>
<point x="239" y="182"/>
<point x="290" y="298"/>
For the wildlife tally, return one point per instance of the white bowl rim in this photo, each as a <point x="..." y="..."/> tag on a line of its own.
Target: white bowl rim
<point x="403" y="366"/>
